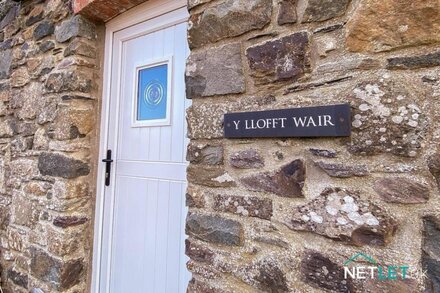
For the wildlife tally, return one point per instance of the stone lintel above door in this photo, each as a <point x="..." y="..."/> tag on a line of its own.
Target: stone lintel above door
<point x="103" y="10"/>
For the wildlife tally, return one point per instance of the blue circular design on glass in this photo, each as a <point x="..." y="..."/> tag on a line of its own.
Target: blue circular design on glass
<point x="153" y="94"/>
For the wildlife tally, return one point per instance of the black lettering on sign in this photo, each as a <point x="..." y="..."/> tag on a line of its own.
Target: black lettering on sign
<point x="333" y="120"/>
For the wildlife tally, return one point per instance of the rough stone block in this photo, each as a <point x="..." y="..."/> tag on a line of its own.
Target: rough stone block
<point x="215" y="229"/>
<point x="43" y="29"/>
<point x="77" y="26"/>
<point x="244" y="205"/>
<point x="246" y="159"/>
<point x="287" y="12"/>
<point x="209" y="176"/>
<point x="389" y="116"/>
<point x="321" y="10"/>
<point x="340" y="214"/>
<point x="216" y="71"/>
<point x="401" y="190"/>
<point x="321" y="272"/>
<point x="9" y="13"/>
<point x="60" y="275"/>
<point x="57" y="165"/>
<point x="69" y="81"/>
<point x="18" y="278"/>
<point x="65" y="244"/>
<point x="26" y="212"/>
<point x="205" y="154"/>
<point x="198" y="252"/>
<point x="20" y="77"/>
<point x="35" y="15"/>
<point x="288" y="181"/>
<point x="270" y="276"/>
<point x="342" y="170"/>
<point x="195" y="197"/>
<point x="80" y="47"/>
<point x="414" y="62"/>
<point x="431" y="253"/>
<point x="228" y="19"/>
<point x="379" y="25"/>
<point x="434" y="166"/>
<point x="5" y="63"/>
<point x="287" y="58"/>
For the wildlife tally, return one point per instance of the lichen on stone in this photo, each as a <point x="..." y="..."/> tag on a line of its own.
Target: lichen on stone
<point x="340" y="214"/>
<point x="388" y="117"/>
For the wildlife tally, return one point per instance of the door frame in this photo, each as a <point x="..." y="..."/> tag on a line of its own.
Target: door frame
<point x="137" y="15"/>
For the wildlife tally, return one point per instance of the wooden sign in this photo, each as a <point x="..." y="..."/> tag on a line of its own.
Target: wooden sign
<point x="322" y="121"/>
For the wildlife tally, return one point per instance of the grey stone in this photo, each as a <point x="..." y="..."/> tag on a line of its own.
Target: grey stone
<point x="216" y="71"/>
<point x="323" y="153"/>
<point x="246" y="159"/>
<point x="320" y="272"/>
<point x="195" y="197"/>
<point x="60" y="275"/>
<point x="434" y="166"/>
<point x="341" y="215"/>
<point x="6" y="45"/>
<point x="43" y="29"/>
<point x="245" y="206"/>
<point x="46" y="46"/>
<point x="287" y="12"/>
<point x="198" y="252"/>
<point x="7" y="128"/>
<point x="69" y="81"/>
<point x="10" y="15"/>
<point x="57" y="165"/>
<point x="18" y="278"/>
<point x="342" y="170"/>
<point x="414" y="62"/>
<point x="401" y="190"/>
<point x="205" y="154"/>
<point x="288" y="181"/>
<point x="228" y="19"/>
<point x="76" y="26"/>
<point x="79" y="47"/>
<point x="215" y="229"/>
<point x="5" y="217"/>
<point x="5" y="63"/>
<point x="211" y="176"/>
<point x="271" y="277"/>
<point x="35" y="15"/>
<point x="389" y="116"/>
<point x="321" y="10"/>
<point x="287" y="58"/>
<point x="431" y="254"/>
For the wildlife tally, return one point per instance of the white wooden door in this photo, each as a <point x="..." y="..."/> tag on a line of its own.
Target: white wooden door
<point x="144" y="205"/>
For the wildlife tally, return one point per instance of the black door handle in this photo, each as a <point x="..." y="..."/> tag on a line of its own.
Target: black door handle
<point x="108" y="167"/>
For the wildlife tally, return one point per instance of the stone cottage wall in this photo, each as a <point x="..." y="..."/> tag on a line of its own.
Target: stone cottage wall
<point x="49" y="67"/>
<point x="269" y="215"/>
<point x="283" y="215"/>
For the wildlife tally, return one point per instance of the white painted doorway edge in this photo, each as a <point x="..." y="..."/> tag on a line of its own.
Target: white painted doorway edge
<point x="141" y="13"/>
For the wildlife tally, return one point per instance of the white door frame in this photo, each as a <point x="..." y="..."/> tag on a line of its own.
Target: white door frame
<point x="139" y="14"/>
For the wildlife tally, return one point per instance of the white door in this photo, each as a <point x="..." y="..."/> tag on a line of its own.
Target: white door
<point x="142" y="246"/>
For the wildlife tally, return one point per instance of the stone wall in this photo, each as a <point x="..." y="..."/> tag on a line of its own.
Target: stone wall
<point x="269" y="215"/>
<point x="283" y="215"/>
<point x="49" y="66"/>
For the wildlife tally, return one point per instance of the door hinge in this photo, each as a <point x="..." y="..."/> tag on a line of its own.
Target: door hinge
<point x="108" y="167"/>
